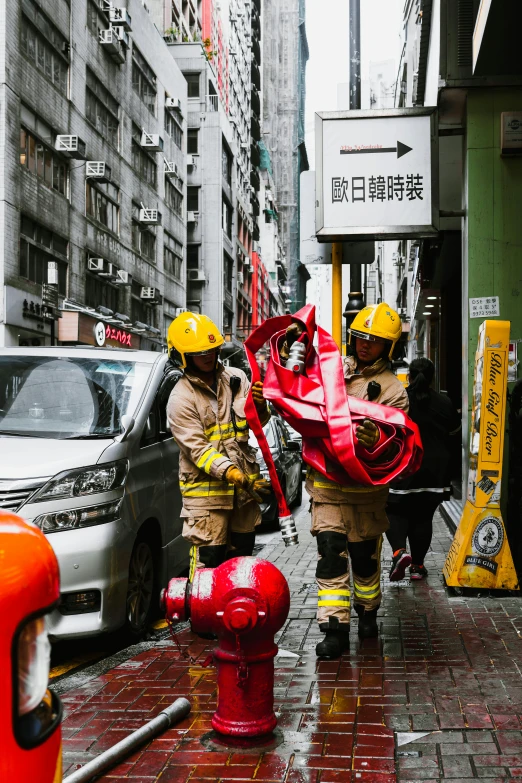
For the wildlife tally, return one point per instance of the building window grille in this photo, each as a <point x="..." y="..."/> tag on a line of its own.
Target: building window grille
<point x="173" y="198"/>
<point x="99" y="292"/>
<point x="143" y="162"/>
<point x="172" y="256"/>
<point x="192" y="84"/>
<point x="44" y="45"/>
<point x="173" y="129"/>
<point x="193" y="141"/>
<point x="101" y="109"/>
<point x="102" y="204"/>
<point x="38" y="246"/>
<point x="38" y="155"/>
<point x="143" y="237"/>
<point x="193" y="199"/>
<point x="143" y="80"/>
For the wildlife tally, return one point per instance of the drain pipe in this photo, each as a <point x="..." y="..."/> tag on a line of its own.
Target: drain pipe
<point x="109" y="758"/>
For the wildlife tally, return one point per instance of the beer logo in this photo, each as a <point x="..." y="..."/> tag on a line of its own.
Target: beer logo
<point x="211" y="338"/>
<point x="488" y="537"/>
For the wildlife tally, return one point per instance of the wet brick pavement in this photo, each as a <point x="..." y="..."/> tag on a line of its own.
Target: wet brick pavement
<point x="438" y="697"/>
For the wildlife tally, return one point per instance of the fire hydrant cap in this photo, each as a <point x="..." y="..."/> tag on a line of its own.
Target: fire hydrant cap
<point x="240" y="615"/>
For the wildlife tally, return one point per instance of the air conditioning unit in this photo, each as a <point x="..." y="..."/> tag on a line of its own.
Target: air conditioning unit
<point x="244" y="145"/>
<point x="171" y="103"/>
<point x="151" y="141"/>
<point x="170" y="168"/>
<point x="97" y="169"/>
<point x="250" y="209"/>
<point x="96" y="264"/>
<point x="268" y="195"/>
<point x="240" y="278"/>
<point x="71" y="146"/>
<point x="191" y="217"/>
<point x="191" y="161"/>
<point x="251" y="268"/>
<point x="109" y="271"/>
<point x="123" y="277"/>
<point x="120" y="16"/>
<point x="196" y="276"/>
<point x="114" y="43"/>
<point x="150" y="217"/>
<point x="250" y="309"/>
<point x="150" y="295"/>
<point x="179" y="310"/>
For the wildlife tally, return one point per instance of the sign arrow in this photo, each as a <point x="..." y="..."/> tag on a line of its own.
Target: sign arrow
<point x="401" y="149"/>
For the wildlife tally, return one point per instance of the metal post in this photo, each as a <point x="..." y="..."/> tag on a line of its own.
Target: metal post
<point x="337" y="293"/>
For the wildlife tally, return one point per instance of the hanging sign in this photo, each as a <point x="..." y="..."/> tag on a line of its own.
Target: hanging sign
<point x="376" y="174"/>
<point x="480" y="555"/>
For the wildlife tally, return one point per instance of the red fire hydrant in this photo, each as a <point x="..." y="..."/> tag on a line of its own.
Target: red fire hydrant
<point x="244" y="601"/>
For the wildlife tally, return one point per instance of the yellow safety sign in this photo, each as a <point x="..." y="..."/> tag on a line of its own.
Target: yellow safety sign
<point x="480" y="555"/>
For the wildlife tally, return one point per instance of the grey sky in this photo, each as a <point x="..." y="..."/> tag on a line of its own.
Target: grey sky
<point x="328" y="39"/>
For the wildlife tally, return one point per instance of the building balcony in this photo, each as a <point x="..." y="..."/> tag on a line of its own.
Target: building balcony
<point x="256" y="50"/>
<point x="255" y="157"/>
<point x="255" y="180"/>
<point x="255" y="102"/>
<point x="255" y="76"/>
<point x="255" y="127"/>
<point x="212" y="103"/>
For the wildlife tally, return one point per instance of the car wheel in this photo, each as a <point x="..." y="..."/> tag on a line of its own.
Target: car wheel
<point x="141" y="588"/>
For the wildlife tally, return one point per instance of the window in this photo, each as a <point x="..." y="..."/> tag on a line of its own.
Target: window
<point x="96" y="20"/>
<point x="227" y="321"/>
<point x="193" y="199"/>
<point x="143" y="80"/>
<point x="192" y="84"/>
<point x="38" y="156"/>
<point x="102" y="204"/>
<point x="143" y="162"/>
<point x="193" y="141"/>
<point x="228" y="271"/>
<point x="173" y="128"/>
<point x="38" y="246"/>
<point x="101" y="109"/>
<point x="226" y="165"/>
<point x="227" y="219"/>
<point x="99" y="292"/>
<point x="172" y="256"/>
<point x="192" y="256"/>
<point x="140" y="311"/>
<point x="44" y="45"/>
<point x="143" y="237"/>
<point x="173" y="198"/>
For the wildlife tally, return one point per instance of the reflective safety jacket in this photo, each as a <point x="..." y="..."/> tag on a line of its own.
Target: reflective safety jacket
<point x="212" y="434"/>
<point x="321" y="489"/>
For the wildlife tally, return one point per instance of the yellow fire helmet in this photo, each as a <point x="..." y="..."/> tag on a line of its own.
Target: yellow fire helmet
<point x="377" y="321"/>
<point x="191" y="333"/>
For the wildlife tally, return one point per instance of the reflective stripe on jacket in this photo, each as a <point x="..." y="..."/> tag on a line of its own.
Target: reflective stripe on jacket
<point x="209" y="439"/>
<point x="321" y="489"/>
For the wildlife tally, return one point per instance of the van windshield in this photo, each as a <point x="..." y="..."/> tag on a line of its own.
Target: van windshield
<point x="48" y="397"/>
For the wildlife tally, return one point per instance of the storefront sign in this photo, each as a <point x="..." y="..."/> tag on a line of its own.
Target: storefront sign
<point x="480" y="555"/>
<point x="377" y="174"/>
<point x="511" y="130"/>
<point x="484" y="307"/>
<point x="81" y="329"/>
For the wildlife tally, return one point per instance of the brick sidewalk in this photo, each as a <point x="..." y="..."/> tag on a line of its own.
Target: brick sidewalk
<point x="438" y="696"/>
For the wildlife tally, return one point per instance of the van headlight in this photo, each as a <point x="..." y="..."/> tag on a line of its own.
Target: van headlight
<point x="72" y="519"/>
<point x="84" y="481"/>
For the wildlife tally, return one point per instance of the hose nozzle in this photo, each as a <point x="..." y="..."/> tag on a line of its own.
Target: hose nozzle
<point x="289" y="531"/>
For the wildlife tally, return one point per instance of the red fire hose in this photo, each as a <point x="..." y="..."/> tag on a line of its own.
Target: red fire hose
<point x="316" y="405"/>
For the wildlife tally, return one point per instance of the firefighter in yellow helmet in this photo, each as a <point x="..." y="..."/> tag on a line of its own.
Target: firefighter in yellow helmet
<point x="219" y="476"/>
<point x="351" y="520"/>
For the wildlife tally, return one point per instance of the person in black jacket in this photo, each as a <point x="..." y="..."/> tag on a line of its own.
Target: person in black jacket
<point x="413" y="501"/>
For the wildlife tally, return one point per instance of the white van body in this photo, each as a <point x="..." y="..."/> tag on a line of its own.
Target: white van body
<point x="86" y="455"/>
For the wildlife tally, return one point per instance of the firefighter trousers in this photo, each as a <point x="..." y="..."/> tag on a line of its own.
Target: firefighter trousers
<point x="219" y="534"/>
<point x="331" y="525"/>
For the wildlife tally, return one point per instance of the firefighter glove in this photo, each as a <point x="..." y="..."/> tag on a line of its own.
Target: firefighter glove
<point x="257" y="395"/>
<point x="367" y="434"/>
<point x="293" y="333"/>
<point x="237" y="478"/>
<point x="261" y="486"/>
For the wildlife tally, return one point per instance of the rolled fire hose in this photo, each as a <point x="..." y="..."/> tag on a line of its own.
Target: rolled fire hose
<point x="314" y="403"/>
<point x="286" y="520"/>
<point x="109" y="758"/>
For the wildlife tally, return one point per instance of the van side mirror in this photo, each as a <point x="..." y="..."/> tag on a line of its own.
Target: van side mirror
<point x="293" y="445"/>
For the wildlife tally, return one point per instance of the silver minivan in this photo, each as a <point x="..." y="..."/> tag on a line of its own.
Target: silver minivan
<point x="87" y="456"/>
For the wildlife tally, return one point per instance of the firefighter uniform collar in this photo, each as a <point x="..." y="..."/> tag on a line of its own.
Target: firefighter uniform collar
<point x="350" y="367"/>
<point x="195" y="381"/>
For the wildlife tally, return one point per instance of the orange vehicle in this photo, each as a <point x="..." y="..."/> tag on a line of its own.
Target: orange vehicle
<point x="30" y="713"/>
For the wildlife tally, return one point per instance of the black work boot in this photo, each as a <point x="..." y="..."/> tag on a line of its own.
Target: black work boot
<point x="336" y="640"/>
<point x="367" y="622"/>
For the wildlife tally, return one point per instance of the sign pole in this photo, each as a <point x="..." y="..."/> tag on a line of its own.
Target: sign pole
<point x="337" y="293"/>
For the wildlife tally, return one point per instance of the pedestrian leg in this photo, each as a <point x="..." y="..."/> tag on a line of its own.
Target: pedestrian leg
<point x="366" y="567"/>
<point x="397" y="513"/>
<point x="333" y="579"/>
<point x="420" y="531"/>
